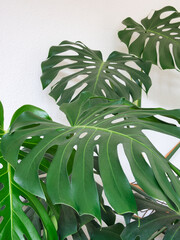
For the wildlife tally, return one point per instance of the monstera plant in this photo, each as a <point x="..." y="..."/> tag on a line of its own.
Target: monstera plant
<point x="59" y="180"/>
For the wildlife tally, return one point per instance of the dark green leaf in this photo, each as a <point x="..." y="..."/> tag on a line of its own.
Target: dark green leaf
<point x="113" y="78"/>
<point x="163" y="220"/>
<point x="105" y="233"/>
<point x="107" y="126"/>
<point x="13" y="199"/>
<point x="158" y="38"/>
<point x="67" y="222"/>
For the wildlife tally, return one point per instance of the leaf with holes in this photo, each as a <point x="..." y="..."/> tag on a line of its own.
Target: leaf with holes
<point x="14" y="202"/>
<point x="107" y="127"/>
<point x="162" y="220"/>
<point x="84" y="69"/>
<point x="158" y="38"/>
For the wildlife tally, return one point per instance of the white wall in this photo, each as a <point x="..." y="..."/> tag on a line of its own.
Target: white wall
<point x="28" y="28"/>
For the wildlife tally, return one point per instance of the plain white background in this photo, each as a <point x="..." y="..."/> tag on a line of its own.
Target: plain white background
<point x="28" y="28"/>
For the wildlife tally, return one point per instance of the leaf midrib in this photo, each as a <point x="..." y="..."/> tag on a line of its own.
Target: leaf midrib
<point x="162" y="35"/>
<point x="98" y="74"/>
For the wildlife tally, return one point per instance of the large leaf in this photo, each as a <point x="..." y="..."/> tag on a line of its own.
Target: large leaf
<point x="113" y="78"/>
<point x="158" y="38"/>
<point x="14" y="202"/>
<point x="163" y="220"/>
<point x="104" y="127"/>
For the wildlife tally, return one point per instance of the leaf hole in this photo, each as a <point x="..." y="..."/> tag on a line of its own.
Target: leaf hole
<point x="152" y="34"/>
<point x="175" y="20"/>
<point x="146" y="41"/>
<point x="23" y="199"/>
<point x="75" y="147"/>
<point x="1" y="219"/>
<point x="108" y="116"/>
<point x="97" y="137"/>
<point x="90" y="67"/>
<point x="173" y="33"/>
<point x="108" y="83"/>
<point x="78" y="90"/>
<point x="75" y="81"/>
<point x="19" y="161"/>
<point x="83" y="135"/>
<point x="29" y="138"/>
<point x="167" y="120"/>
<point x="110" y="67"/>
<point x="177" y="38"/>
<point x="41" y="137"/>
<point x="95" y="121"/>
<point x="120" y="80"/>
<point x="1" y="166"/>
<point x="160" y="26"/>
<point x="134" y="36"/>
<point x="130" y="126"/>
<point x="124" y="162"/>
<point x="160" y="37"/>
<point x="104" y="93"/>
<point x="144" y="155"/>
<point x="90" y="62"/>
<point x="166" y="14"/>
<point x="168" y="178"/>
<point x="87" y="57"/>
<point x="64" y="63"/>
<point x="2" y="208"/>
<point x="117" y="120"/>
<point x="1" y="186"/>
<point x="166" y="29"/>
<point x="67" y="53"/>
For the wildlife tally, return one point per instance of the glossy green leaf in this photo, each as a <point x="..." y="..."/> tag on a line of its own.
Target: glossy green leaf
<point x="162" y="220"/>
<point x="85" y="68"/>
<point x="68" y="224"/>
<point x="158" y="38"/>
<point x="20" y="211"/>
<point x="107" y="126"/>
<point x="29" y="108"/>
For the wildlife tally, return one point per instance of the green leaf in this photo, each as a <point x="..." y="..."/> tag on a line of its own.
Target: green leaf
<point x="67" y="222"/>
<point x="113" y="78"/>
<point x="13" y="199"/>
<point x="163" y="220"/>
<point x="80" y="235"/>
<point x="158" y="38"/>
<point x="29" y="108"/>
<point x="20" y="211"/>
<point x="106" y="126"/>
<point x="97" y="233"/>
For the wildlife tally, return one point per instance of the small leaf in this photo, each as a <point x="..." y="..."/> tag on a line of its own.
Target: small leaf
<point x="158" y="38"/>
